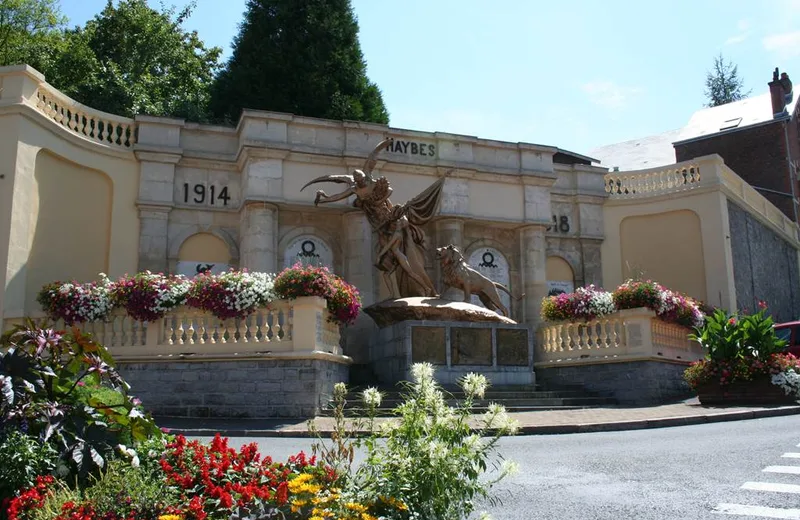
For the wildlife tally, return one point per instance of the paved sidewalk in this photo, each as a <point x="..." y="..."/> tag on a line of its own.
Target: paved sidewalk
<point x="612" y="418"/>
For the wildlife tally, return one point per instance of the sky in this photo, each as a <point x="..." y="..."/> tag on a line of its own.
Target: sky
<point x="574" y="74"/>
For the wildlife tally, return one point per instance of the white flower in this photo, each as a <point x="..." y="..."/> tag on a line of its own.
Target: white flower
<point x="422" y="372"/>
<point x="372" y="397"/>
<point x="474" y="385"/>
<point x="485" y="516"/>
<point x="339" y="390"/>
<point x="509" y="468"/>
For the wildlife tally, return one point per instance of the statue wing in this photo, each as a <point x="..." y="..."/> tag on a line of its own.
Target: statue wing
<point x="340" y="179"/>
<point x="423" y="207"/>
<point x="372" y="158"/>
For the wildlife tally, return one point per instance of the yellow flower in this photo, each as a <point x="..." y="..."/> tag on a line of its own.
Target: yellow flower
<point x="395" y="503"/>
<point x="367" y="516"/>
<point x="170" y="517"/>
<point x="353" y="506"/>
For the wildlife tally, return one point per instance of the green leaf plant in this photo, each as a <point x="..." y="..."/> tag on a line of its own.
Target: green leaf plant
<point x="63" y="387"/>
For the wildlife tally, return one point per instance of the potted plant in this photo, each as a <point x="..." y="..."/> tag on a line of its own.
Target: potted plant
<point x="743" y="358"/>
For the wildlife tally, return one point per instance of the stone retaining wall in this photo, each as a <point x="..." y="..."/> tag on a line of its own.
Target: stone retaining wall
<point x="241" y="389"/>
<point x="639" y="383"/>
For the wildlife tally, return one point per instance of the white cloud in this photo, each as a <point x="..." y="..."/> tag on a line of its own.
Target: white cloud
<point x="608" y="94"/>
<point x="743" y="28"/>
<point x="786" y="45"/>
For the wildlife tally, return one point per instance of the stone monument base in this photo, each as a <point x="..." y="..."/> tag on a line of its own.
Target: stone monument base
<point x="390" y="312"/>
<point x="503" y="352"/>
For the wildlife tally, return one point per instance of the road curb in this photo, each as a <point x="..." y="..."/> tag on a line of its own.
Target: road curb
<point x="640" y="424"/>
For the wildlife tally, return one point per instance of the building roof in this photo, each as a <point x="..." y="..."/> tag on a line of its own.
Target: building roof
<point x="730" y="117"/>
<point x="639" y="154"/>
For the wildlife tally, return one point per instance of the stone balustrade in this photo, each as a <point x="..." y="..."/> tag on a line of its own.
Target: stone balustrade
<point x="627" y="335"/>
<point x="648" y="183"/>
<point x="286" y="327"/>
<point x="92" y="124"/>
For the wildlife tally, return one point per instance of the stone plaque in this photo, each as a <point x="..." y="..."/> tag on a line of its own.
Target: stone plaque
<point x="471" y="346"/>
<point x="428" y="344"/>
<point x="512" y="347"/>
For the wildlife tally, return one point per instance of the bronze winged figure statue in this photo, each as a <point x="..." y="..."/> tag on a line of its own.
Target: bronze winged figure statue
<point x="401" y="241"/>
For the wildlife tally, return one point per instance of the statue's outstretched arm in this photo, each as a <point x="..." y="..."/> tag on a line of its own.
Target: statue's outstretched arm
<point x="322" y="197"/>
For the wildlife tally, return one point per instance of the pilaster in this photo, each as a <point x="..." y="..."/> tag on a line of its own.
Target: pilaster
<point x="533" y="253"/>
<point x="359" y="252"/>
<point x="153" y="241"/>
<point x="258" y="232"/>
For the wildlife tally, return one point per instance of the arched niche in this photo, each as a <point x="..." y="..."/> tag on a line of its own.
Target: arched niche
<point x="560" y="276"/>
<point x="308" y="249"/>
<point x="203" y="252"/>
<point x="493" y="264"/>
<point x="70" y="208"/>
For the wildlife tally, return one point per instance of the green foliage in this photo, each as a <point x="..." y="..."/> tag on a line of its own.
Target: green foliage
<point x="22" y="459"/>
<point x="41" y="371"/>
<point x="30" y="32"/>
<point x="728" y="337"/>
<point x="723" y="84"/>
<point x="298" y="56"/>
<point x="131" y="59"/>
<point x="143" y="489"/>
<point x="433" y="457"/>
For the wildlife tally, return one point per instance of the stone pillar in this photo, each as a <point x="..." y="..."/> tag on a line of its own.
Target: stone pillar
<point x="359" y="252"/>
<point x="533" y="252"/>
<point x="153" y="242"/>
<point x="591" y="261"/>
<point x="258" y="237"/>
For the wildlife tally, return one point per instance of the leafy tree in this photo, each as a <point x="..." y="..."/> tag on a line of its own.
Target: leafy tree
<point x="131" y="59"/>
<point x="30" y="32"/>
<point x="723" y="84"/>
<point x="298" y="56"/>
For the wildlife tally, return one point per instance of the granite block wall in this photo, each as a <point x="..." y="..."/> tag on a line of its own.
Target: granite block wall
<point x="635" y="383"/>
<point x="237" y="389"/>
<point x="765" y="267"/>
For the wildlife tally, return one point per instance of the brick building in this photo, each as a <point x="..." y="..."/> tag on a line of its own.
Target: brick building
<point x="758" y="138"/>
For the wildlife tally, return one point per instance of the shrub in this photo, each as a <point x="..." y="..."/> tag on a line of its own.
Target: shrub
<point x="147" y="296"/>
<point x="742" y="348"/>
<point x="232" y="294"/>
<point x="431" y="461"/>
<point x="343" y="299"/>
<point x="76" y="303"/>
<point x="586" y="303"/>
<point x="40" y="372"/>
<point x="22" y="459"/>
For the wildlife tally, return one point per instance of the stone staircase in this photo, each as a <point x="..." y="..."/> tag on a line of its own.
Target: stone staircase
<point x="516" y="398"/>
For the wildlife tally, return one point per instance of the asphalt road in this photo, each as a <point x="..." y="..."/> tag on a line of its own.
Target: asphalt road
<point x="687" y="472"/>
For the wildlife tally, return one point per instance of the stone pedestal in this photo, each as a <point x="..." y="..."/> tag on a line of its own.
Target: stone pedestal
<point x="502" y="352"/>
<point x="258" y="232"/>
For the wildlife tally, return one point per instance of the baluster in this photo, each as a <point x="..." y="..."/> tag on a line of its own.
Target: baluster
<point x="201" y="330"/>
<point x="258" y="333"/>
<point x="190" y="332"/>
<point x="230" y="329"/>
<point x="559" y="338"/>
<point x="180" y="331"/>
<point x="585" y="336"/>
<point x="603" y="334"/>
<point x="276" y="326"/>
<point x="108" y="332"/>
<point x="108" y="128"/>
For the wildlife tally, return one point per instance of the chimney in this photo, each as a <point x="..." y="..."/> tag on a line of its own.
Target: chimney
<point x="780" y="90"/>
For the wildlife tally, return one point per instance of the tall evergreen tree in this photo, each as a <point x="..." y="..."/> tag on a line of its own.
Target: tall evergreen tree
<point x="723" y="84"/>
<point x="298" y="56"/>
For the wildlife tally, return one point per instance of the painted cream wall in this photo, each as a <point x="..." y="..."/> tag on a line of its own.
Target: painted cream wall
<point x="666" y="247"/>
<point x="204" y="247"/>
<point x="559" y="270"/>
<point x="73" y="224"/>
<point x="32" y="131"/>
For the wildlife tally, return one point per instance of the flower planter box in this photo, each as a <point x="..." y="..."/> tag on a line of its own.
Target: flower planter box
<point x="757" y="392"/>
